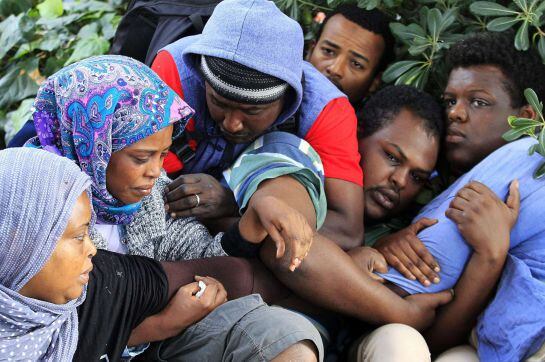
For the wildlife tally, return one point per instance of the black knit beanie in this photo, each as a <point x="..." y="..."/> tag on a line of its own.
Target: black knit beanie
<point x="240" y="83"/>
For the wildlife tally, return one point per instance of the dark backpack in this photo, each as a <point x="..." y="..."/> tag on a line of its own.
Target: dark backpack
<point x="149" y="25"/>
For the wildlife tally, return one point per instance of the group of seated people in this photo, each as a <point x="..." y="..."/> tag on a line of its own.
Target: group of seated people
<point x="214" y="207"/>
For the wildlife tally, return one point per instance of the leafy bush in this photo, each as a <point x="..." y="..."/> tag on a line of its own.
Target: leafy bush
<point x="425" y="29"/>
<point x="40" y="37"/>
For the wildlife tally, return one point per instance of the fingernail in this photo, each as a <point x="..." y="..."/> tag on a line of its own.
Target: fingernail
<point x="452" y="292"/>
<point x="297" y="261"/>
<point x="436" y="280"/>
<point x="173" y="215"/>
<point x="413" y="277"/>
<point x="292" y="267"/>
<point x="427" y="283"/>
<point x="166" y="207"/>
<point x="437" y="269"/>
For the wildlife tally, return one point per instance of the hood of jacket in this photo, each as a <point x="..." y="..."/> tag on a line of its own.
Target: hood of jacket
<point x="257" y="34"/>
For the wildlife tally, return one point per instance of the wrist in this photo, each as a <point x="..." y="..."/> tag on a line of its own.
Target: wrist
<point x="490" y="258"/>
<point x="249" y="227"/>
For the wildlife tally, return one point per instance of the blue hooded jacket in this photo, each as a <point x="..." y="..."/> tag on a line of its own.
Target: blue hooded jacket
<point x="257" y="34"/>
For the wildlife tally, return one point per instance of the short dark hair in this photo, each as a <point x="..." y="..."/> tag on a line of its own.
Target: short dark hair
<point x="373" y="20"/>
<point x="382" y="107"/>
<point x="522" y="69"/>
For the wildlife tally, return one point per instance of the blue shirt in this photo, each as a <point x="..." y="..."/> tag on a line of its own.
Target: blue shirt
<point x="496" y="171"/>
<point x="512" y="327"/>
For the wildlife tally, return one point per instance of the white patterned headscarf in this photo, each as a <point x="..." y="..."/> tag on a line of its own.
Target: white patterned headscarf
<point x="38" y="191"/>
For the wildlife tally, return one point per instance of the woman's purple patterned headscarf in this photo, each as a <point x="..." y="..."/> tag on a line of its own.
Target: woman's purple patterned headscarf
<point x="100" y="105"/>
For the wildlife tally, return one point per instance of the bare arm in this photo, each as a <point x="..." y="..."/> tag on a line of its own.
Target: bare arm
<point x="485" y="222"/>
<point x="344" y="220"/>
<point x="329" y="278"/>
<point x="183" y="310"/>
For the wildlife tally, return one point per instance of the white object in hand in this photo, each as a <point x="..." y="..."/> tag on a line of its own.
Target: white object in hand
<point x="202" y="288"/>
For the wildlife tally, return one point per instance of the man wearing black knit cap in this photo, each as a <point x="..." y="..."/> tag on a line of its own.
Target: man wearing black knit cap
<point x="245" y="76"/>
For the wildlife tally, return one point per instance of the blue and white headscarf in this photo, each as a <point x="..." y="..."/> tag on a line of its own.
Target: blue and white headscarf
<point x="38" y="191"/>
<point x="100" y="105"/>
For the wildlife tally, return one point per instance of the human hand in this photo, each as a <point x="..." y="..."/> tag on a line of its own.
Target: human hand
<point x="422" y="308"/>
<point x="483" y="219"/>
<point x="405" y="252"/>
<point x="185" y="308"/>
<point x="199" y="195"/>
<point x="369" y="260"/>
<point x="287" y="227"/>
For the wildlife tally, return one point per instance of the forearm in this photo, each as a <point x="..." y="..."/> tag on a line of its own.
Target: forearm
<point x="472" y="293"/>
<point x="329" y="278"/>
<point x="345" y="230"/>
<point x="284" y="188"/>
<point x="153" y="328"/>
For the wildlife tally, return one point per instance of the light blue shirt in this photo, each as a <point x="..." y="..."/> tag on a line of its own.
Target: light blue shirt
<point x="496" y="171"/>
<point x="512" y="327"/>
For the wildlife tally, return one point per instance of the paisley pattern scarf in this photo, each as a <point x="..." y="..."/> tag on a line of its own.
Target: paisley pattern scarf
<point x="95" y="107"/>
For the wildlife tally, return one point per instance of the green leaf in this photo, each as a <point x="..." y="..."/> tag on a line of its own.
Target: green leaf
<point x="533" y="100"/>
<point x="420" y="46"/>
<point x="10" y="34"/>
<point x="532" y="149"/>
<point x="540" y="172"/>
<point x="516" y="133"/>
<point x="60" y="22"/>
<point x="487" y="8"/>
<point x="109" y="23"/>
<point x="409" y="77"/>
<point x="85" y="48"/>
<point x="408" y="33"/>
<point x="541" y="47"/>
<point x="523" y="122"/>
<point x="395" y="70"/>
<point x="522" y="4"/>
<point x="434" y="22"/>
<point x="88" y="31"/>
<point x="541" y="143"/>
<point x="14" y="7"/>
<point x="294" y="12"/>
<point x="50" y="9"/>
<point x="16" y="119"/>
<point x="521" y="38"/>
<point x="16" y="84"/>
<point x="502" y="23"/>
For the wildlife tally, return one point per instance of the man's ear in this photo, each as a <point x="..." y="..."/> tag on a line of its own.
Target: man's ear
<point x="310" y="50"/>
<point x="375" y="84"/>
<point x="527" y="111"/>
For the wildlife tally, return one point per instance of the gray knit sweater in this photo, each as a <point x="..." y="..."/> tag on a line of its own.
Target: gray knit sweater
<point x="153" y="233"/>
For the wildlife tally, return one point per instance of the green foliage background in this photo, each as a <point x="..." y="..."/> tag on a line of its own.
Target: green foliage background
<point x="37" y="38"/>
<point x="425" y="29"/>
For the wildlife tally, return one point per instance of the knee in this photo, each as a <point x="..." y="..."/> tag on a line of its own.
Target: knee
<point x="394" y="342"/>
<point x="300" y="351"/>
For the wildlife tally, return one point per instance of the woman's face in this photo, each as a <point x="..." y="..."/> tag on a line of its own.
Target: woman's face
<point x="67" y="271"/>
<point x="132" y="171"/>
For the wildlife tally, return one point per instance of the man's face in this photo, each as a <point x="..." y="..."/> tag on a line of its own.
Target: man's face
<point x="397" y="160"/>
<point x="477" y="106"/>
<point x="239" y="122"/>
<point x="348" y="55"/>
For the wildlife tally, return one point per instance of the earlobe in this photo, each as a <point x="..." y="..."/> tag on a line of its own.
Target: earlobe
<point x="375" y="84"/>
<point x="527" y="111"/>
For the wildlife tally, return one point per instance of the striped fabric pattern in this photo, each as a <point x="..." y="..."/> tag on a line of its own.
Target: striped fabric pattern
<point x="273" y="155"/>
